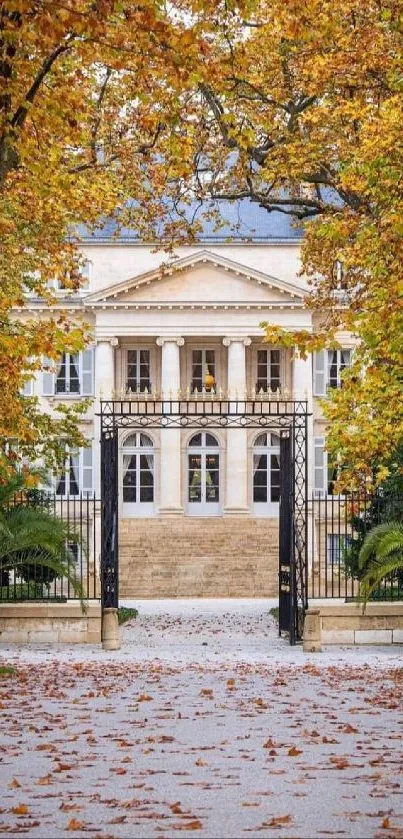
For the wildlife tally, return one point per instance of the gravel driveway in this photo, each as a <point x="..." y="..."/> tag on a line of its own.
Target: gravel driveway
<point x="204" y="724"/>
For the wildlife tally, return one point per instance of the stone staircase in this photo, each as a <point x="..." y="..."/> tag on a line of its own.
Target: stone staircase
<point x="198" y="557"/>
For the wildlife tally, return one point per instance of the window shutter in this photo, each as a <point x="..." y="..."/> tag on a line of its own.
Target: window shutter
<point x="85" y="275"/>
<point x="320" y="466"/>
<point x="319" y="373"/>
<point x="87" y="372"/>
<point x="48" y="378"/>
<point x="86" y="482"/>
<point x="28" y="387"/>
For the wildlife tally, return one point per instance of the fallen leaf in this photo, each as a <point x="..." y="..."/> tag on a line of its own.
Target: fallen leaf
<point x="145" y="697"/>
<point x="67" y="807"/>
<point x="20" y="810"/>
<point x="14" y="784"/>
<point x="193" y="825"/>
<point x="47" y="779"/>
<point x="74" y="824"/>
<point x="293" y="752"/>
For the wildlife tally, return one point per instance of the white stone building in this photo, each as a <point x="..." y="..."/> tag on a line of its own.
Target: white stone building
<point x="198" y="509"/>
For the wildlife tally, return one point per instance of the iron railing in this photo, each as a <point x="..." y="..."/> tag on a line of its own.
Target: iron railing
<point x="337" y="526"/>
<point x="33" y="580"/>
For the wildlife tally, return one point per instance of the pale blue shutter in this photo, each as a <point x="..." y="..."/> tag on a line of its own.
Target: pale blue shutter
<point x="87" y="372"/>
<point x="320" y="466"/>
<point x="48" y="378"/>
<point x="319" y="373"/>
<point x="86" y="480"/>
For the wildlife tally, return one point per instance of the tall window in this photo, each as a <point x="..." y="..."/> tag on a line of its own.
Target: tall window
<point x="328" y="366"/>
<point x="203" y="475"/>
<point x="76" y="478"/>
<point x="268" y="370"/>
<point x="138" y="475"/>
<point x="72" y="374"/>
<point x="337" y="361"/>
<point x="266" y="473"/>
<point x="203" y="370"/>
<point x="138" y="371"/>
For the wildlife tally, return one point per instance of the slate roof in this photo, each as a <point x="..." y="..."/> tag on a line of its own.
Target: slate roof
<point x="243" y="221"/>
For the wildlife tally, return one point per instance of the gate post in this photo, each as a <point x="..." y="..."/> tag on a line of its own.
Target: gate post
<point x="286" y="540"/>
<point x="109" y="540"/>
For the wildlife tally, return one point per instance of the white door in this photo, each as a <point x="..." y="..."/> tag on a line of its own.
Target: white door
<point x="266" y="475"/>
<point x="203" y="475"/>
<point x="137" y="475"/>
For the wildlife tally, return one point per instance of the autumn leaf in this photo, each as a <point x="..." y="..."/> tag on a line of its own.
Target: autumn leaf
<point x="20" y="810"/>
<point x="74" y="824"/>
<point x="192" y="825"/>
<point x="293" y="752"/>
<point x="14" y="784"/>
<point x="65" y="807"/>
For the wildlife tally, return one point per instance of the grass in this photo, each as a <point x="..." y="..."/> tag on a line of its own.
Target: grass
<point x="5" y="670"/>
<point x="126" y="614"/>
<point x="274" y="612"/>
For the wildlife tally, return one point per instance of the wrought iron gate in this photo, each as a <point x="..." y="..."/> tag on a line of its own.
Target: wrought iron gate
<point x="288" y="418"/>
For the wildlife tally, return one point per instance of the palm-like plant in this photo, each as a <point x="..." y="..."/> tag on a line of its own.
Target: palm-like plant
<point x="30" y="535"/>
<point x="380" y="556"/>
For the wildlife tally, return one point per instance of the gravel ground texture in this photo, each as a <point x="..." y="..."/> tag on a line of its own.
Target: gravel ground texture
<point x="204" y="724"/>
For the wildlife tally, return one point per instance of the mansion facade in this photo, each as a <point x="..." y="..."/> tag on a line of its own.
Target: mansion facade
<point x="198" y="509"/>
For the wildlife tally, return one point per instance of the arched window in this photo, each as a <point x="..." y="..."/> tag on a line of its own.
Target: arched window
<point x="266" y="474"/>
<point x="138" y="475"/>
<point x="203" y="475"/>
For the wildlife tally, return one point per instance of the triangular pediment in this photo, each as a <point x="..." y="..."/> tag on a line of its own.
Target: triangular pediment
<point x="201" y="278"/>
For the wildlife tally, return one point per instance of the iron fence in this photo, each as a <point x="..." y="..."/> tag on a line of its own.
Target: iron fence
<point x="338" y="525"/>
<point x="31" y="579"/>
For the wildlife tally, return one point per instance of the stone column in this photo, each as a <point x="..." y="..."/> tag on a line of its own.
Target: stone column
<point x="236" y="503"/>
<point x="104" y="369"/>
<point x="170" y="460"/>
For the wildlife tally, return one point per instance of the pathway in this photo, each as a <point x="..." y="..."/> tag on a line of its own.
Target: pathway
<point x="204" y="724"/>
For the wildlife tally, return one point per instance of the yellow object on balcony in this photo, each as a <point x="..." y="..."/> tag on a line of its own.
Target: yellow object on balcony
<point x="209" y="380"/>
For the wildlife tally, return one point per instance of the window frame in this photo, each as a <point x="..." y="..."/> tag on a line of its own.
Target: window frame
<point x="50" y="369"/>
<point x="268" y="508"/>
<point x="84" y="468"/>
<point x="204" y="508"/>
<point x="321" y="367"/>
<point x="218" y="362"/>
<point x="255" y="368"/>
<point x="125" y="366"/>
<point x="138" y="508"/>
<point x="334" y="557"/>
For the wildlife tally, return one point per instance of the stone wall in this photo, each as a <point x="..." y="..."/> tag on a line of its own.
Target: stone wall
<point x="26" y="623"/>
<point x="345" y="623"/>
<point x="198" y="557"/>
